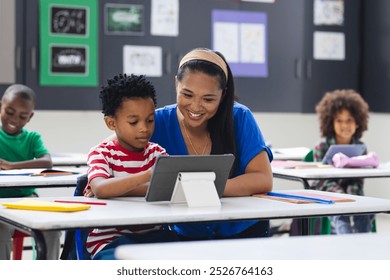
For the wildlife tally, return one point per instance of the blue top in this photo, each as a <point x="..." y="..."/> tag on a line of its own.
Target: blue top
<point x="249" y="141"/>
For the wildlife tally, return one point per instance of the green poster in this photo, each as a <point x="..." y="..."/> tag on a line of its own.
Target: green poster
<point x="68" y="43"/>
<point x="123" y="19"/>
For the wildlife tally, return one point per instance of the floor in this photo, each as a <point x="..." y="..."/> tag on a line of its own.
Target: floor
<point x="382" y="224"/>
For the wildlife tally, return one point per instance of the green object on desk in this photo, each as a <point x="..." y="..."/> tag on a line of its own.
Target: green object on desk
<point x="309" y="156"/>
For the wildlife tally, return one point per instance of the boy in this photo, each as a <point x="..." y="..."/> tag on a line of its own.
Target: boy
<point x="20" y="148"/>
<point x="123" y="167"/>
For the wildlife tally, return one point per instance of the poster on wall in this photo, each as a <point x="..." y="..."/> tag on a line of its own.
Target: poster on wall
<point x="123" y="19"/>
<point x="68" y="43"/>
<point x="68" y="59"/>
<point x="242" y="38"/>
<point x="164" y="20"/>
<point x="68" y="21"/>
<point x="142" y="60"/>
<point x="329" y="45"/>
<point x="328" y="12"/>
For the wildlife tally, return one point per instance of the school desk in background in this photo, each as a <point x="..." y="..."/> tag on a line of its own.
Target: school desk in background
<point x="69" y="159"/>
<point x="294" y="153"/>
<point x="304" y="175"/>
<point x="27" y="178"/>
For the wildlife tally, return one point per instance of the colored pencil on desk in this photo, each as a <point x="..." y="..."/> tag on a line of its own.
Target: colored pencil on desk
<point x="82" y="202"/>
<point x="317" y="200"/>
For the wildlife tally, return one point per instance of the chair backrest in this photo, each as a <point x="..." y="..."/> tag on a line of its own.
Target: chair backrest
<point x="82" y="181"/>
<point x="309" y="156"/>
<point x="75" y="240"/>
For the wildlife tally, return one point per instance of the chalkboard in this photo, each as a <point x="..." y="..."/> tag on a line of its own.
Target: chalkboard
<point x="65" y="20"/>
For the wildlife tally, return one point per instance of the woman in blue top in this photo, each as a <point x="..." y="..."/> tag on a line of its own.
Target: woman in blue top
<point x="207" y="120"/>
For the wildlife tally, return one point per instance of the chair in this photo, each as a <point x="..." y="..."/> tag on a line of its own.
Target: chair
<point x="75" y="240"/>
<point x="17" y="244"/>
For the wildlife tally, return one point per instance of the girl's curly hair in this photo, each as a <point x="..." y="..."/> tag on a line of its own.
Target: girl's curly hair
<point x="123" y="87"/>
<point x="334" y="102"/>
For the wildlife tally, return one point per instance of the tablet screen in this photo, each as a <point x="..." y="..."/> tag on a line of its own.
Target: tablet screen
<point x="167" y="168"/>
<point x="351" y="150"/>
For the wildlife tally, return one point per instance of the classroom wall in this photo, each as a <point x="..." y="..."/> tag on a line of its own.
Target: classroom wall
<point x="77" y="131"/>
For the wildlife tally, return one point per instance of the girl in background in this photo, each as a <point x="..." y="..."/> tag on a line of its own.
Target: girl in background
<point x="343" y="117"/>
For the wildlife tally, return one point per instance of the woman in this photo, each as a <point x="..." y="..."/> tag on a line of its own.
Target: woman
<point x="207" y="120"/>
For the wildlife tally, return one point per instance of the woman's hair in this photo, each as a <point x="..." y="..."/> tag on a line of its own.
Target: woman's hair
<point x="334" y="102"/>
<point x="123" y="87"/>
<point x="221" y="125"/>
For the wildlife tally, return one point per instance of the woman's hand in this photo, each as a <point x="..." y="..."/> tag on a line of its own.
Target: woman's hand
<point x="257" y="178"/>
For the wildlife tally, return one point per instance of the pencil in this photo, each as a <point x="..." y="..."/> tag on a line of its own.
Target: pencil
<point x="82" y="202"/>
<point x="292" y="196"/>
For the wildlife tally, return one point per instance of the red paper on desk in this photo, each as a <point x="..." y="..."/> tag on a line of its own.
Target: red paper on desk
<point x="308" y="195"/>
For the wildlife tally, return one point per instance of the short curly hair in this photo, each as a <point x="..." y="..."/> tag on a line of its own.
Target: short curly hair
<point x="122" y="87"/>
<point x="343" y="99"/>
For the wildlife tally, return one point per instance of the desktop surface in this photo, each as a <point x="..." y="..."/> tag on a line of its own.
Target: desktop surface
<point x="116" y="211"/>
<point x="365" y="246"/>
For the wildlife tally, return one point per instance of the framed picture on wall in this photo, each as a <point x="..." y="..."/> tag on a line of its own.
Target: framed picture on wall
<point x="123" y="19"/>
<point x="328" y="12"/>
<point x="71" y="21"/>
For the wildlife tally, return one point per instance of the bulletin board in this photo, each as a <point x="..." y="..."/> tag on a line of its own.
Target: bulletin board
<point x="68" y="43"/>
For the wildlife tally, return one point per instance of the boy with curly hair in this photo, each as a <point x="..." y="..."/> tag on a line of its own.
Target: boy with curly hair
<point x="123" y="166"/>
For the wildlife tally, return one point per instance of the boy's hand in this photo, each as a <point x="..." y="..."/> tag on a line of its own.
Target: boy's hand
<point x="148" y="175"/>
<point x="6" y="165"/>
<point x="88" y="193"/>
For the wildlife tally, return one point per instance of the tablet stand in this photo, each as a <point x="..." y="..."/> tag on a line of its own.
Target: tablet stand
<point x="197" y="189"/>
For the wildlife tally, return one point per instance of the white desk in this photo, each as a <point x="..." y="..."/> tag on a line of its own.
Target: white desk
<point x="116" y="213"/>
<point x="305" y="174"/>
<point x="69" y="159"/>
<point x="296" y="153"/>
<point x="366" y="246"/>
<point x="52" y="181"/>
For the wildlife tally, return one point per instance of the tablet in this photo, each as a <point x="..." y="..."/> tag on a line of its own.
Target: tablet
<point x="350" y="150"/>
<point x="166" y="169"/>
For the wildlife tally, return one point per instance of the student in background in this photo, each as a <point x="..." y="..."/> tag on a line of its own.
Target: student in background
<point x="343" y="117"/>
<point x="122" y="166"/>
<point x="20" y="148"/>
<point x="207" y="120"/>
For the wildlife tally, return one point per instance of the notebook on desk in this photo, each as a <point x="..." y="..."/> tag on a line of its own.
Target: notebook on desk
<point x="40" y="205"/>
<point x="350" y="150"/>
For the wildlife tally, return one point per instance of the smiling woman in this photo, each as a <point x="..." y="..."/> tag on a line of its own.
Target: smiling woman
<point x="207" y="120"/>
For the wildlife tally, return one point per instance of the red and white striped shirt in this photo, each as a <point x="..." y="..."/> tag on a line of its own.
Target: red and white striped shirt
<point x="109" y="160"/>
